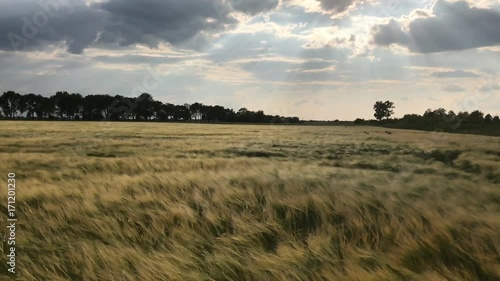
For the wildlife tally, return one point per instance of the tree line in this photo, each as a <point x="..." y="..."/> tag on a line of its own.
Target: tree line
<point x="436" y="120"/>
<point x="74" y="106"/>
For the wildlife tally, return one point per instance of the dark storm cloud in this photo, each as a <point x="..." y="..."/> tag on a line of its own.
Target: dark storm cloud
<point x="336" y="6"/>
<point x="253" y="7"/>
<point x="454" y="74"/>
<point x="453" y="26"/>
<point x="31" y="24"/>
<point x="388" y="34"/>
<point x="150" y="22"/>
<point x="28" y="25"/>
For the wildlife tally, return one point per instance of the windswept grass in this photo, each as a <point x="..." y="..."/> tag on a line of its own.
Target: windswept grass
<point x="132" y="201"/>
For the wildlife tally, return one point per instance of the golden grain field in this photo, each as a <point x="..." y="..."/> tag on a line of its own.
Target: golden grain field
<point x="150" y="201"/>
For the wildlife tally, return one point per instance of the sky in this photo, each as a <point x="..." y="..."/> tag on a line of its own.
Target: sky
<point x="315" y="59"/>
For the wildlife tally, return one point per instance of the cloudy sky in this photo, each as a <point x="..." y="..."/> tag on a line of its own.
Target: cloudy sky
<point x="316" y="59"/>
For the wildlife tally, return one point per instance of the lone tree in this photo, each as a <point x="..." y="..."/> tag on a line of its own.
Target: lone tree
<point x="383" y="109"/>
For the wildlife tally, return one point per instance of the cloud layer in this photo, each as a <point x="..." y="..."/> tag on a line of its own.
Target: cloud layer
<point x="78" y="24"/>
<point x="454" y="74"/>
<point x="453" y="26"/>
<point x="311" y="58"/>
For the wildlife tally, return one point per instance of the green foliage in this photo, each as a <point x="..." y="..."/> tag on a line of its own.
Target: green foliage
<point x="383" y="109"/>
<point x="66" y="106"/>
<point x="441" y="121"/>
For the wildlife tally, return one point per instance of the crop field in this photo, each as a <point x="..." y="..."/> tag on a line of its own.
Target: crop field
<point x="151" y="201"/>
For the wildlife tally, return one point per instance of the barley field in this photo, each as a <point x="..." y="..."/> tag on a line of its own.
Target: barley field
<point x="151" y="201"/>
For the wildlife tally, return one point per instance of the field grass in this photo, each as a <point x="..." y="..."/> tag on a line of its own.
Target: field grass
<point x="134" y="201"/>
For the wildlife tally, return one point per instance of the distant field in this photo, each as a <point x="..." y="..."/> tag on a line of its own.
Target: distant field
<point x="143" y="201"/>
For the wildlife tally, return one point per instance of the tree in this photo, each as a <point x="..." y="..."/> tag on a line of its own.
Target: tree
<point x="21" y="104"/>
<point x="440" y="113"/>
<point x="464" y="115"/>
<point x="259" y="116"/>
<point x="64" y="105"/>
<point x="60" y="103"/>
<point x="383" y="109"/>
<point x="105" y="102"/>
<point x="92" y="108"/>
<point x="97" y="107"/>
<point x="121" y="108"/>
<point x="476" y="117"/>
<point x="169" y="110"/>
<point x="196" y="111"/>
<point x="245" y="115"/>
<point x="74" y="105"/>
<point x="182" y="112"/>
<point x="412" y="119"/>
<point x="215" y="113"/>
<point x="450" y="117"/>
<point x="143" y="107"/>
<point x="159" y="111"/>
<point x="488" y="119"/>
<point x="10" y="102"/>
<point x="68" y="105"/>
<point x="46" y="108"/>
<point x="30" y="102"/>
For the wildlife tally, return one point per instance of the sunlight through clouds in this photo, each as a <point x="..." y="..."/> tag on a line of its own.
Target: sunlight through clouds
<point x="288" y="48"/>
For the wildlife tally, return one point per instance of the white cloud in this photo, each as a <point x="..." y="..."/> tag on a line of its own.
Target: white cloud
<point x="266" y="56"/>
